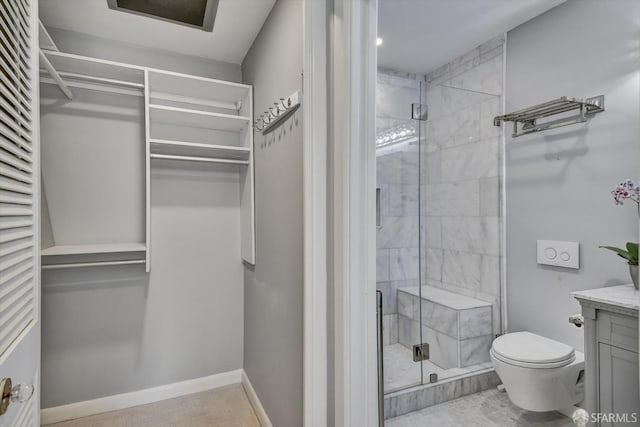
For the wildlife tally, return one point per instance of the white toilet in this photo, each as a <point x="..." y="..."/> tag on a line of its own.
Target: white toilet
<point x="539" y="374"/>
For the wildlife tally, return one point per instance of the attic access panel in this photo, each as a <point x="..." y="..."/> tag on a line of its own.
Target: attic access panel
<point x="193" y="13"/>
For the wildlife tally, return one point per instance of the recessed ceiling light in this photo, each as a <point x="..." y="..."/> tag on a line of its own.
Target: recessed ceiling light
<point x="378" y="41"/>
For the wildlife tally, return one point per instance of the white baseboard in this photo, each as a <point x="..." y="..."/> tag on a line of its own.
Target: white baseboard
<point x="142" y="397"/>
<point x="255" y="402"/>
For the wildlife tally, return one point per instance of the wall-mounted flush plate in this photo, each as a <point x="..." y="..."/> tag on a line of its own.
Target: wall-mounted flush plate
<point x="559" y="254"/>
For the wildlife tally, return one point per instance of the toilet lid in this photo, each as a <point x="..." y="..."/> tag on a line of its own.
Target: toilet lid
<point x="531" y="348"/>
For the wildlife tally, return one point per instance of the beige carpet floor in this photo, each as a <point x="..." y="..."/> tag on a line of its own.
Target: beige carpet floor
<point x="223" y="407"/>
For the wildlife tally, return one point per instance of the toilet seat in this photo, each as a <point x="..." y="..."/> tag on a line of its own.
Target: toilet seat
<point x="532" y="351"/>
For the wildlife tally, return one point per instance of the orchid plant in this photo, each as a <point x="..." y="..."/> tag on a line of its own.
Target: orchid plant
<point x="626" y="190"/>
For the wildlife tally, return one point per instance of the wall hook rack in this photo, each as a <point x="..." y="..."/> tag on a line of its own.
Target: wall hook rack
<point x="275" y="115"/>
<point x="528" y="117"/>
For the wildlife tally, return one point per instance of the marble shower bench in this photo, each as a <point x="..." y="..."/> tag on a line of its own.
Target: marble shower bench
<point x="457" y="327"/>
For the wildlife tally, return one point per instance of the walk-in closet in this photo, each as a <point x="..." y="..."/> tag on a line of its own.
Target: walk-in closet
<point x="151" y="154"/>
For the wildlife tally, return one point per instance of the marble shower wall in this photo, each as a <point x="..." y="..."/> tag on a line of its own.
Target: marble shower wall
<point x="461" y="176"/>
<point x="397" y="180"/>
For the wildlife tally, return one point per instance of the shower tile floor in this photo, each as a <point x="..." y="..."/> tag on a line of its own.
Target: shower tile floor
<point x="489" y="408"/>
<point x="400" y="371"/>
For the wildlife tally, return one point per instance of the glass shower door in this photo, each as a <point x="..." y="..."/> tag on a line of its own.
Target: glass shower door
<point x="398" y="227"/>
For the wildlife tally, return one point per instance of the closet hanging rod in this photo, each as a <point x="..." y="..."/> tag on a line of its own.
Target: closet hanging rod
<point x="92" y="264"/>
<point x="103" y="80"/>
<point x="55" y="75"/>
<point x="89" y="79"/>
<point x="97" y="87"/>
<point x="199" y="159"/>
<point x="174" y="143"/>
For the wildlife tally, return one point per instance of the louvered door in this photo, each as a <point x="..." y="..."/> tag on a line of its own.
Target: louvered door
<point x="19" y="183"/>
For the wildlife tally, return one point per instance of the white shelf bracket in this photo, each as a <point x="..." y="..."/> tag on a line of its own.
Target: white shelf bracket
<point x="46" y="42"/>
<point x="55" y="75"/>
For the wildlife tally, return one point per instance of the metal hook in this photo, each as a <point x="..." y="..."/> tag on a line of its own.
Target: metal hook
<point x="260" y="122"/>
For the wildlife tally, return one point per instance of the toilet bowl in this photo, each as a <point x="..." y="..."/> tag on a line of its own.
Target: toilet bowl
<point x="539" y="374"/>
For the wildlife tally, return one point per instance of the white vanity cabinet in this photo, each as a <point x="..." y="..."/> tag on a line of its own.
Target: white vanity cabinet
<point x="611" y="355"/>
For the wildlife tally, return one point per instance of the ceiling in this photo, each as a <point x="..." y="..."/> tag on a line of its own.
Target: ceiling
<point x="236" y="26"/>
<point x="421" y="35"/>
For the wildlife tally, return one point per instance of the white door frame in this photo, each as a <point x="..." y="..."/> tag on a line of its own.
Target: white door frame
<point x="339" y="113"/>
<point x="315" y="214"/>
<point x="354" y="239"/>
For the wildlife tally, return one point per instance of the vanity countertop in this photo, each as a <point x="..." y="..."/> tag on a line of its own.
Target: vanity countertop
<point x="618" y="298"/>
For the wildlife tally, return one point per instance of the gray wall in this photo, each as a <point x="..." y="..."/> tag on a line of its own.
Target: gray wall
<point x="273" y="290"/>
<point x="559" y="182"/>
<point x="112" y="330"/>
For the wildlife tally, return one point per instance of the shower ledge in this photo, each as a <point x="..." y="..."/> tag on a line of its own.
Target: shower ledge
<point x="458" y="328"/>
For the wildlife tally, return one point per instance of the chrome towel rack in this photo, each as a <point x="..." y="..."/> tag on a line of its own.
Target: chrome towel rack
<point x="527" y="118"/>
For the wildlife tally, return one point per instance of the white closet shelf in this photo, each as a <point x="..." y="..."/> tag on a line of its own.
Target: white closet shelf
<point x="197" y="90"/>
<point x="182" y="148"/>
<point x="197" y="118"/>
<point x="96" y="70"/>
<point x="94" y="249"/>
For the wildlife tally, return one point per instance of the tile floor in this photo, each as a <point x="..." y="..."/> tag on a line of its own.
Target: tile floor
<point x="400" y="371"/>
<point x="223" y="407"/>
<point x="489" y="408"/>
